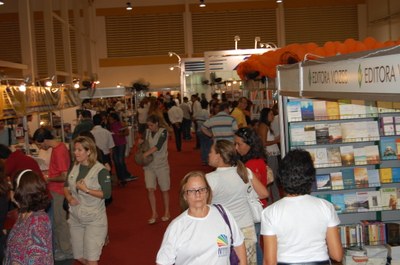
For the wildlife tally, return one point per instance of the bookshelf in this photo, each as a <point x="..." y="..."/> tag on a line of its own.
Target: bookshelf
<point x="355" y="145"/>
<point x="260" y="93"/>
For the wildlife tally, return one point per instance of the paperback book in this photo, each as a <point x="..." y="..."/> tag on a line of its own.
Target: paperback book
<point x="359" y="109"/>
<point x="322" y="133"/>
<point x="351" y="133"/>
<point x="294" y="111"/>
<point x="297" y="134"/>
<point x="309" y="135"/>
<point x="387" y="126"/>
<point x="335" y="133"/>
<point x="321" y="158"/>
<point x="347" y="155"/>
<point x="384" y="106"/>
<point x="332" y="109"/>
<point x="374" y="200"/>
<point x="372" y="152"/>
<point x="385" y="175"/>
<point x="350" y="202"/>
<point x="360" y="156"/>
<point x="334" y="157"/>
<point x="362" y="201"/>
<point x="348" y="178"/>
<point x="372" y="131"/>
<point x="307" y="110"/>
<point x="320" y="110"/>
<point x="389" y="198"/>
<point x="337" y="181"/>
<point x="345" y="109"/>
<point x="373" y="178"/>
<point x="370" y="108"/>
<point x="397" y="125"/>
<point x="361" y="177"/>
<point x="388" y="148"/>
<point x="337" y="200"/>
<point x="323" y="182"/>
<point x="396" y="174"/>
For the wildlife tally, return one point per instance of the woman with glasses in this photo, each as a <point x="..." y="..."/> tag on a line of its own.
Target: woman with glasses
<point x="199" y="235"/>
<point x="230" y="183"/>
<point x="249" y="146"/>
<point x="270" y="142"/>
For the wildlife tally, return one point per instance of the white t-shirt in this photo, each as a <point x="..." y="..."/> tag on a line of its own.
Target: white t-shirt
<point x="229" y="190"/>
<point x="199" y="241"/>
<point x="300" y="224"/>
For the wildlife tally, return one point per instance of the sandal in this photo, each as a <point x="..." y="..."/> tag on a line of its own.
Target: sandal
<point x="165" y="218"/>
<point x="152" y="220"/>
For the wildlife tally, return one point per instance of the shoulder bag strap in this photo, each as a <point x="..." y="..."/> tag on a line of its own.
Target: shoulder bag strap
<point x="223" y="213"/>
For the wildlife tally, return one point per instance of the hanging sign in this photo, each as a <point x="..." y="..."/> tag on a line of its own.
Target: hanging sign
<point x="379" y="74"/>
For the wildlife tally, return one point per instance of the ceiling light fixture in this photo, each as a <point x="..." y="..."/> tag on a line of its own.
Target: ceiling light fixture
<point x="1" y="3"/>
<point x="202" y="4"/>
<point x="128" y="6"/>
<point x="236" y="39"/>
<point x="279" y="1"/>
<point x="256" y="41"/>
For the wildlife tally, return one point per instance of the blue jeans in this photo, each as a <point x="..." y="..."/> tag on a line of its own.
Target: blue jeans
<point x="205" y="145"/>
<point x="119" y="162"/>
<point x="186" y="124"/>
<point x="258" y="246"/>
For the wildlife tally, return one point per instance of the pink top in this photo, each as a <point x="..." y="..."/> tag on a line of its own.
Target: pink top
<point x="29" y="241"/>
<point x="259" y="168"/>
<point x="115" y="128"/>
<point x="59" y="163"/>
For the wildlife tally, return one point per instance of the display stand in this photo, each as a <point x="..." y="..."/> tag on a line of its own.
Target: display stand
<point x="357" y="96"/>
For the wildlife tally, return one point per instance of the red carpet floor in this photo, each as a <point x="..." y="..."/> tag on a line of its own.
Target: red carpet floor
<point x="132" y="240"/>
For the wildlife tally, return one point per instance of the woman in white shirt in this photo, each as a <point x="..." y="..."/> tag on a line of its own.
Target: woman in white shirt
<point x="199" y="235"/>
<point x="230" y="183"/>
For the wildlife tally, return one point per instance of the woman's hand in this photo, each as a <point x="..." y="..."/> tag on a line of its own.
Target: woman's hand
<point x="140" y="141"/>
<point x="73" y="202"/>
<point x="81" y="185"/>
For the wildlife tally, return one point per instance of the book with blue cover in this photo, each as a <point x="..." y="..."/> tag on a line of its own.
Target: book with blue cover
<point x="293" y="110"/>
<point x="348" y="178"/>
<point x="373" y="178"/>
<point x="307" y="110"/>
<point x="323" y="182"/>
<point x="337" y="200"/>
<point x="388" y="148"/>
<point x="395" y="174"/>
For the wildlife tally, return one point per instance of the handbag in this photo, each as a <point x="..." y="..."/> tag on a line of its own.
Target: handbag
<point x="270" y="175"/>
<point x="233" y="257"/>
<point x="142" y="148"/>
<point x="254" y="203"/>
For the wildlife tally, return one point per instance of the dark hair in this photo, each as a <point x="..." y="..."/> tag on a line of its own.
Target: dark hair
<point x="86" y="114"/>
<point x="264" y="117"/>
<point x="297" y="172"/>
<point x="252" y="139"/>
<point x="4" y="187"/>
<point x="114" y="116"/>
<point x="204" y="104"/>
<point x="5" y="152"/>
<point x="183" y="203"/>
<point x="153" y="119"/>
<point x="226" y="149"/>
<point x="88" y="134"/>
<point x="223" y="106"/>
<point x="31" y="193"/>
<point x="42" y="134"/>
<point x="97" y="119"/>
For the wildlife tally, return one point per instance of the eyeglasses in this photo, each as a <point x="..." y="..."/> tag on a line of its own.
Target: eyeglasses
<point x="195" y="191"/>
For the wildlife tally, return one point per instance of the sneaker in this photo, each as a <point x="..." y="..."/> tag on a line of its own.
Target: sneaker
<point x="131" y="178"/>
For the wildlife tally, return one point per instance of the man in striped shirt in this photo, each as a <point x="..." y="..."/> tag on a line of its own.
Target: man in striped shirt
<point x="222" y="125"/>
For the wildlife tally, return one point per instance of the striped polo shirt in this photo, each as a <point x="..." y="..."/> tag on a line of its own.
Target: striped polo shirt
<point x="222" y="126"/>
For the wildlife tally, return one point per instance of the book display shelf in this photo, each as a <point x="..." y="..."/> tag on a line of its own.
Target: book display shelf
<point x="355" y="146"/>
<point x="260" y="93"/>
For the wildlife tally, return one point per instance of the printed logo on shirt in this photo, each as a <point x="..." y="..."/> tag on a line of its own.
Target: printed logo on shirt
<point x="223" y="245"/>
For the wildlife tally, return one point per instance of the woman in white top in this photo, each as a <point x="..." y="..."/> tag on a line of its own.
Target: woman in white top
<point x="199" y="235"/>
<point x="230" y="183"/>
<point x="270" y="141"/>
<point x="300" y="228"/>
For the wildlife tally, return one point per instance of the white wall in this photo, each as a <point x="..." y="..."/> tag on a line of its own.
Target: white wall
<point x="384" y="19"/>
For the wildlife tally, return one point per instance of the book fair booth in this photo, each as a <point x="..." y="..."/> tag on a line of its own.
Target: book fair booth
<point x="345" y="111"/>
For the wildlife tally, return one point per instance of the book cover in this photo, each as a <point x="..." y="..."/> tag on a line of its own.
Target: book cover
<point x="335" y="133"/>
<point x="388" y="148"/>
<point x="321" y="158"/>
<point x="350" y="202"/>
<point x="384" y="106"/>
<point x="393" y="234"/>
<point x="387" y="125"/>
<point x="325" y="196"/>
<point x="360" y="156"/>
<point x="396" y="174"/>
<point x="360" y="131"/>
<point x="361" y="177"/>
<point x="334" y="157"/>
<point x="385" y="175"/>
<point x="397" y="125"/>
<point x="323" y="182"/>
<point x="372" y="129"/>
<point x="359" y="109"/>
<point x="372" y="152"/>
<point x="297" y="134"/>
<point x="345" y="109"/>
<point x="320" y="110"/>
<point x="347" y="155"/>
<point x="332" y="110"/>
<point x="362" y="201"/>
<point x="307" y="110"/>
<point x="337" y="181"/>
<point x="373" y="178"/>
<point x="293" y="111"/>
<point x="337" y="200"/>
<point x="322" y="133"/>
<point x="398" y="147"/>
<point x="374" y="200"/>
<point x="309" y="135"/>
<point x="371" y="109"/>
<point x="389" y="198"/>
<point x="348" y="178"/>
<point x="349" y="132"/>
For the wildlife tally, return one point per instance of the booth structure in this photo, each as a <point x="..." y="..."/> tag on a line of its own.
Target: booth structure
<point x="345" y="110"/>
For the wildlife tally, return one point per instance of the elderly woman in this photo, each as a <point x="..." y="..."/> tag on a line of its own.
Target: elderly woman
<point x="86" y="188"/>
<point x="230" y="183"/>
<point x="249" y="146"/>
<point x="199" y="235"/>
<point x="300" y="228"/>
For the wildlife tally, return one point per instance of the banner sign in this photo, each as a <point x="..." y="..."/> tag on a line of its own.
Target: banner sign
<point x="379" y="74"/>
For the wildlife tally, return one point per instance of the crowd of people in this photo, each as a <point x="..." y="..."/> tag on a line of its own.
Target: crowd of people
<point x="64" y="207"/>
